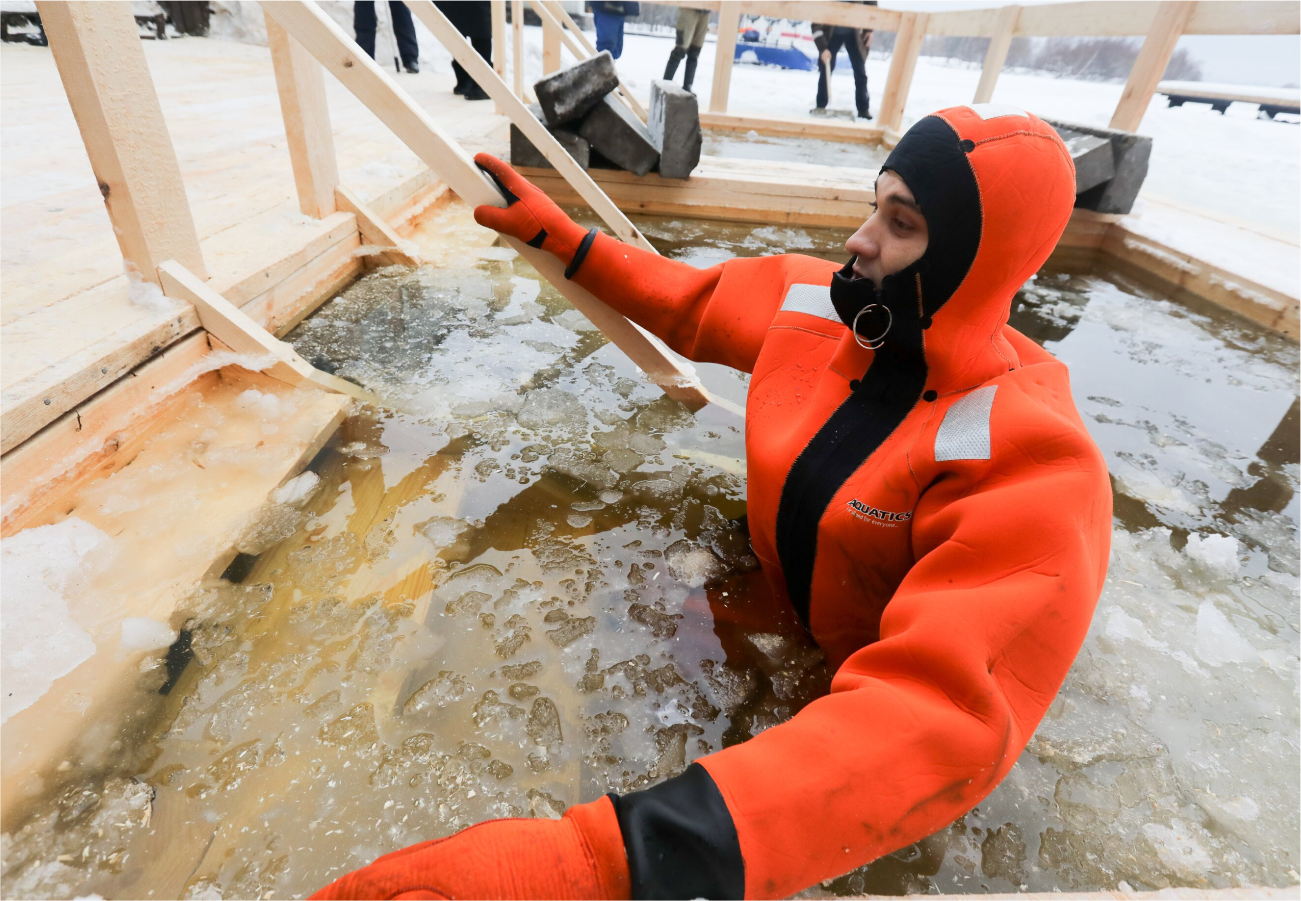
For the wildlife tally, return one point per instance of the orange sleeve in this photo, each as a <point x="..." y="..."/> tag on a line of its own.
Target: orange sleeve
<point x="924" y="723"/>
<point x="715" y="315"/>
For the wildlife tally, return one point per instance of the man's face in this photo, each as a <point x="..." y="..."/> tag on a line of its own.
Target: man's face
<point x="894" y="236"/>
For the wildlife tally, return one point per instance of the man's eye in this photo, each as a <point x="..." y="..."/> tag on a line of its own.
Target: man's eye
<point x="902" y="225"/>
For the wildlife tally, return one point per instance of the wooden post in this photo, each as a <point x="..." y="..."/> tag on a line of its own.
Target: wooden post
<point x="907" y="47"/>
<point x="550" y="46"/>
<point x="729" y="20"/>
<point x="499" y="37"/>
<point x="580" y="46"/>
<point x="97" y="49"/>
<point x="301" y="85"/>
<point x="374" y="230"/>
<point x="996" y="55"/>
<point x="517" y="45"/>
<point x="1168" y="24"/>
<point x="433" y="19"/>
<point x="358" y="73"/>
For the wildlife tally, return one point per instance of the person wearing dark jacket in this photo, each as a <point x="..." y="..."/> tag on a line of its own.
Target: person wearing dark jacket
<point x="922" y="494"/>
<point x="363" y="25"/>
<point x="472" y="18"/>
<point x="829" y="39"/>
<point x="609" y="24"/>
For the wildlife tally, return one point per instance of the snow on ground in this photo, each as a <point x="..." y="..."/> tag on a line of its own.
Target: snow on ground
<point x="1233" y="164"/>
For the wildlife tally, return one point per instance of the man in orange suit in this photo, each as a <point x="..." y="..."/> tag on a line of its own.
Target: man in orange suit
<point x="921" y="491"/>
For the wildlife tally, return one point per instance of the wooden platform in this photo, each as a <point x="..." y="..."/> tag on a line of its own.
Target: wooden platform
<point x="186" y="491"/>
<point x="70" y="325"/>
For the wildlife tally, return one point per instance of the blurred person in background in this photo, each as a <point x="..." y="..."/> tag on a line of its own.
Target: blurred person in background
<point x="363" y="25"/>
<point x="693" y="25"/>
<point x="609" y="24"/>
<point x="474" y="20"/>
<point x="856" y="41"/>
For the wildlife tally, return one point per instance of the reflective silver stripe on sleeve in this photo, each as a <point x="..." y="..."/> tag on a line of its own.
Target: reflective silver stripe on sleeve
<point x="815" y="300"/>
<point x="964" y="433"/>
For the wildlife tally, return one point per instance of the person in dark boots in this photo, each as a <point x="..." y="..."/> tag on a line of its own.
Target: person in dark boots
<point x="474" y="20"/>
<point x="856" y="41"/>
<point x="363" y="24"/>
<point x="693" y="25"/>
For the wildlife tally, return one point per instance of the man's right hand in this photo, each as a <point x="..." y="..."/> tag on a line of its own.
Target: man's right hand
<point x="531" y="216"/>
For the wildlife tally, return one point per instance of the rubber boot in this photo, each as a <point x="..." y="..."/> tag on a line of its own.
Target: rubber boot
<point x="675" y="57"/>
<point x="689" y="75"/>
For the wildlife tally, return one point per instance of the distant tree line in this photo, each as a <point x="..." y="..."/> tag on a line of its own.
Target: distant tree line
<point x="1088" y="59"/>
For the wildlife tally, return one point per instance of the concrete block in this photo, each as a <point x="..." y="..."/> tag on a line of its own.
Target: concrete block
<point x="523" y="153"/>
<point x="1130" y="153"/>
<point x="674" y="125"/>
<point x="571" y="93"/>
<point x="1095" y="162"/>
<point x="620" y="136"/>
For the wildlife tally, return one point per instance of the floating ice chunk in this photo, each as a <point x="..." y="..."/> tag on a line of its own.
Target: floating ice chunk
<point x="1242" y="808"/>
<point x="40" y="640"/>
<point x="296" y="489"/>
<point x="1218" y="642"/>
<point x="264" y="404"/>
<point x="139" y="633"/>
<point x="548" y="408"/>
<point x="1177" y="849"/>
<point x="1218" y="553"/>
<point x="673" y="714"/>
<point x="693" y="564"/>
<point x="1120" y="626"/>
<point x="1148" y="487"/>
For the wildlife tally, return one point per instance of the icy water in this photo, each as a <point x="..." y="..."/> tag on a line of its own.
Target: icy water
<point x="522" y="587"/>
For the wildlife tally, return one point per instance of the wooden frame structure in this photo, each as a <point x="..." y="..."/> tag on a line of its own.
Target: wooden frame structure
<point x="154" y="225"/>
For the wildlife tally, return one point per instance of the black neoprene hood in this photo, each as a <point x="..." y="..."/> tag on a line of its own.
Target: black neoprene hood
<point x="932" y="161"/>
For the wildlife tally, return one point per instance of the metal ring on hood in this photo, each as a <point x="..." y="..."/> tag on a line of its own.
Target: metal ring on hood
<point x="872" y="343"/>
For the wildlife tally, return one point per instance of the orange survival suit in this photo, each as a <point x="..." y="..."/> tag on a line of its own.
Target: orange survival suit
<point x="921" y="489"/>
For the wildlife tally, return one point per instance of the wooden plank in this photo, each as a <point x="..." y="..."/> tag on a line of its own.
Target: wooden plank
<point x="96" y="436"/>
<point x="736" y="196"/>
<point x="907" y="47"/>
<point x="99" y="56"/>
<point x="581" y="47"/>
<point x="1159" y="45"/>
<point x="1124" y="18"/>
<point x="831" y="12"/>
<point x="358" y="72"/>
<point x="729" y="20"/>
<point x="821" y="129"/>
<point x="280" y="308"/>
<point x="996" y="55"/>
<point x="499" y="39"/>
<point x="244" y="336"/>
<point x="1244" y="94"/>
<point x="526" y="122"/>
<point x="517" y="45"/>
<point x="34" y="402"/>
<point x="301" y="86"/>
<point x="550" y="47"/>
<point x="375" y="231"/>
<point x="241" y="288"/>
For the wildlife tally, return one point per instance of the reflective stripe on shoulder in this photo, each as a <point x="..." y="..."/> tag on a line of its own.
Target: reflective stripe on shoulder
<point x="813" y="300"/>
<point x="964" y="433"/>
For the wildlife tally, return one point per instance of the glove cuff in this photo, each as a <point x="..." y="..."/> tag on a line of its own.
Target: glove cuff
<point x="598" y="831"/>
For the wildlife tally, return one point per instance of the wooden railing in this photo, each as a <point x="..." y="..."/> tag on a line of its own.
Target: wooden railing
<point x="1160" y="22"/>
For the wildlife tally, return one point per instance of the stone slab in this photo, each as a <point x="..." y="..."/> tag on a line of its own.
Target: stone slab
<point x="620" y="136"/>
<point x="1131" y="153"/>
<point x="572" y="93"/>
<point x="524" y="153"/>
<point x="674" y="125"/>
<point x="1095" y="162"/>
